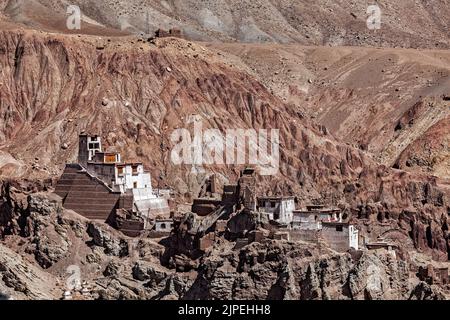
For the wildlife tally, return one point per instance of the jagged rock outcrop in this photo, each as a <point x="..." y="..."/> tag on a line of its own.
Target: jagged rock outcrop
<point x="424" y="291"/>
<point x="112" y="244"/>
<point x="20" y="279"/>
<point x="118" y="267"/>
<point x="280" y="270"/>
<point x="49" y="240"/>
<point x="429" y="153"/>
<point x="35" y="216"/>
<point x="379" y="277"/>
<point x="274" y="270"/>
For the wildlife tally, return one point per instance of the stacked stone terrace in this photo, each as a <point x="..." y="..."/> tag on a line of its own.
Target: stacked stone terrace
<point x="86" y="194"/>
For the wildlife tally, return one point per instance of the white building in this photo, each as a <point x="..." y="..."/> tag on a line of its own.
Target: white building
<point x="305" y="220"/>
<point x="353" y="237"/>
<point x="120" y="176"/>
<point x="164" y="225"/>
<point x="132" y="176"/>
<point x="312" y="217"/>
<point x="279" y="209"/>
<point x="340" y="236"/>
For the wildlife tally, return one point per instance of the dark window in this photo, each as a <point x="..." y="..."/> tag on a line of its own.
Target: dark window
<point x="339" y="228"/>
<point x="273" y="204"/>
<point x="163" y="225"/>
<point x="94" y="146"/>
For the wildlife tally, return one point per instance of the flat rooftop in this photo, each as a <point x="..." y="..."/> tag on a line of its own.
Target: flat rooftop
<point x="326" y="210"/>
<point x="276" y="198"/>
<point x="335" y="223"/>
<point x="119" y="164"/>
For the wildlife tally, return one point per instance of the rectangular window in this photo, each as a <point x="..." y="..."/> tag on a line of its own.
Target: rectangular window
<point x="273" y="204"/>
<point x="110" y="158"/>
<point x="135" y="185"/>
<point x="134" y="169"/>
<point x="94" y="146"/>
<point x="339" y="228"/>
<point x="120" y="171"/>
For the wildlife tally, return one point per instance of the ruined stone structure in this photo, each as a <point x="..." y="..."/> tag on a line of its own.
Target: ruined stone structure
<point x="247" y="189"/>
<point x="88" y="146"/>
<point x="210" y="214"/>
<point x="279" y="209"/>
<point x="340" y="236"/>
<point x="205" y="206"/>
<point x="174" y="32"/>
<point x="311" y="235"/>
<point x="163" y="225"/>
<point x="434" y="275"/>
<point x="283" y="222"/>
<point x="312" y="217"/>
<point x="101" y="186"/>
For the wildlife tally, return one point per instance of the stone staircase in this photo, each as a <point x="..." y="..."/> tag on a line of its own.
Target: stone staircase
<point x="86" y="194"/>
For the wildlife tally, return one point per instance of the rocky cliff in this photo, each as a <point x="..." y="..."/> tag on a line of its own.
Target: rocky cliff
<point x="38" y="264"/>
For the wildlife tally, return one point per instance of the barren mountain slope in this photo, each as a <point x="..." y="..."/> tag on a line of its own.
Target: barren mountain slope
<point x="431" y="150"/>
<point x="339" y="110"/>
<point x="331" y="84"/>
<point x="379" y="100"/>
<point x="320" y="22"/>
<point x="135" y="94"/>
<point x="33" y="14"/>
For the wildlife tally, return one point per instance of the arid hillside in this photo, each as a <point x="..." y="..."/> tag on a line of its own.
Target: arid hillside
<point x="361" y="95"/>
<point x="363" y="121"/>
<point x="134" y="94"/>
<point x="384" y="101"/>
<point x="392" y="103"/>
<point x="322" y="22"/>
